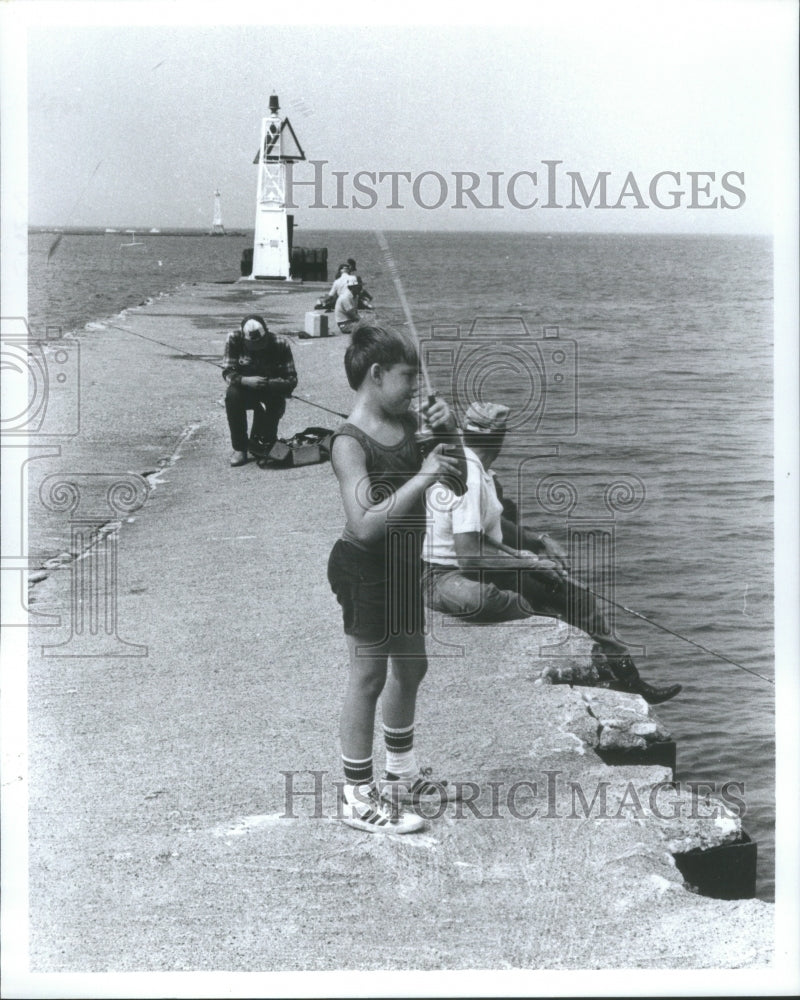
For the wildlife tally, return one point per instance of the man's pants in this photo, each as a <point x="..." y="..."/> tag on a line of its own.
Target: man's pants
<point x="268" y="407"/>
<point x="509" y="595"/>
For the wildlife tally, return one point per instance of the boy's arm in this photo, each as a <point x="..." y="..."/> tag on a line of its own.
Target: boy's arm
<point x="476" y="551"/>
<point x="366" y="517"/>
<point x="519" y="536"/>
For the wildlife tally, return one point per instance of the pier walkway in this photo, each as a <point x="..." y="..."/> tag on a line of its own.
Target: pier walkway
<point x="158" y="782"/>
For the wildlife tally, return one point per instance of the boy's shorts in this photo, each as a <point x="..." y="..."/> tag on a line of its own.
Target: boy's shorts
<point x="380" y="601"/>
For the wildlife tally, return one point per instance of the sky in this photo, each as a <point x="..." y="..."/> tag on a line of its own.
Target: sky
<point x="137" y="124"/>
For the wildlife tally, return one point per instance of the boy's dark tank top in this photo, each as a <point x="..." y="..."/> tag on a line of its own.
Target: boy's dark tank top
<point x="388" y="468"/>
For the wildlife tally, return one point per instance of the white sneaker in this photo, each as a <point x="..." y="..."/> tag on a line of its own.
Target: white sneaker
<point x="370" y="811"/>
<point x="415" y="789"/>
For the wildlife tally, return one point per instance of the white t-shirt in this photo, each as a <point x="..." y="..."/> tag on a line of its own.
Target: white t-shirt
<point x="346" y="309"/>
<point x="340" y="284"/>
<point x="448" y="515"/>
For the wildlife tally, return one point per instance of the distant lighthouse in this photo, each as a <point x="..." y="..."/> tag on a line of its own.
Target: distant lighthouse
<point x="217" y="229"/>
<point x="272" y="244"/>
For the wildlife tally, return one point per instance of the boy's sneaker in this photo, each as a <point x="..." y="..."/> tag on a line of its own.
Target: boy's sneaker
<point x="416" y="789"/>
<point x="376" y="814"/>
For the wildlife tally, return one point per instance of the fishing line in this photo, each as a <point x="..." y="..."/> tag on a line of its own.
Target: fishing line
<point x="319" y="406"/>
<point x="637" y="614"/>
<point x="393" y="271"/>
<point x="216" y="364"/>
<point x="81" y="196"/>
<point x="398" y="284"/>
<point x="309" y="402"/>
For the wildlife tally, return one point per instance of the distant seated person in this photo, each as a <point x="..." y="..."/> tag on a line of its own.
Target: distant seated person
<point x="345" y="314"/>
<point x="472" y="569"/>
<point x="338" y="286"/>
<point x="363" y="297"/>
<point x="259" y="369"/>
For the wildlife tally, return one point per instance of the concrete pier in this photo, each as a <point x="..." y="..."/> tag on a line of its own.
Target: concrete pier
<point x="168" y="752"/>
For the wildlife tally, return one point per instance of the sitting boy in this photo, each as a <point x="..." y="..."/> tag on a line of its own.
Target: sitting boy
<point x="345" y="313"/>
<point x="374" y="569"/>
<point x="471" y="571"/>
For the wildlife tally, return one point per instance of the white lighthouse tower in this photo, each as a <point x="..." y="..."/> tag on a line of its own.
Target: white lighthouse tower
<point x="272" y="245"/>
<point x="217" y="229"/>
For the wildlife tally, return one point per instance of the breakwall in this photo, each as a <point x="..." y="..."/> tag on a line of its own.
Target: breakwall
<point x="184" y="760"/>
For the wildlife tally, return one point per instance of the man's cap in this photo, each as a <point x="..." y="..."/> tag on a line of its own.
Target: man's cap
<point x="256" y="332"/>
<point x="486" y="418"/>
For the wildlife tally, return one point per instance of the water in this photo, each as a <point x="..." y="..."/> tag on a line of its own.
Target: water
<point x="673" y="344"/>
<point x="89" y="277"/>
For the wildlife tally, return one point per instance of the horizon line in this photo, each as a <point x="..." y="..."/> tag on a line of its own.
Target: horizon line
<point x="249" y="231"/>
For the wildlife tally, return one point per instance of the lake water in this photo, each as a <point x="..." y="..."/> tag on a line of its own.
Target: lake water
<point x="664" y="352"/>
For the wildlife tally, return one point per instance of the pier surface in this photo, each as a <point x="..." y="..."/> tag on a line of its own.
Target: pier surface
<point x="159" y="782"/>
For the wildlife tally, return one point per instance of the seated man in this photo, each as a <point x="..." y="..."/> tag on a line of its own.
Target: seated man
<point x="259" y="369"/>
<point x="471" y="572"/>
<point x="345" y="314"/>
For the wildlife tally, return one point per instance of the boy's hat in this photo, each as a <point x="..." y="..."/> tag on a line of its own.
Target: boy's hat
<point x="486" y="418"/>
<point x="256" y="333"/>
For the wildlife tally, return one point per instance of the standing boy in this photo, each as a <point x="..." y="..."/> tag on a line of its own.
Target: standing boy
<point x="374" y="569"/>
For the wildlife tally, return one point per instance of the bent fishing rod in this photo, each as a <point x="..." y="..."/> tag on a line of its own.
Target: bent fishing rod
<point x="389" y="260"/>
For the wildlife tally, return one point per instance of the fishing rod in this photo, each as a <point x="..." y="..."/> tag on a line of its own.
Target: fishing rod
<point x="427" y="438"/>
<point x="55" y="244"/>
<point x="504" y="548"/>
<point x="319" y="406"/>
<point x="398" y="284"/>
<point x="216" y="364"/>
<point x="637" y="614"/>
